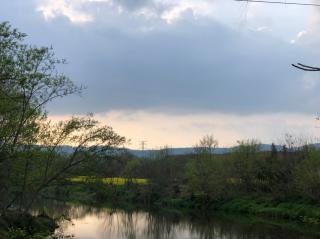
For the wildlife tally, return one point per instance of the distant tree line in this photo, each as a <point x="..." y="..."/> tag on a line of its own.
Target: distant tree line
<point x="290" y="172"/>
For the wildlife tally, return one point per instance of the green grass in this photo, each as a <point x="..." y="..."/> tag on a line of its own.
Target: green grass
<point x="291" y="211"/>
<point x="115" y="181"/>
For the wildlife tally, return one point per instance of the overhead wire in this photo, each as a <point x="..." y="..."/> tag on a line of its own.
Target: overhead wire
<point x="281" y="2"/>
<point x="285" y="2"/>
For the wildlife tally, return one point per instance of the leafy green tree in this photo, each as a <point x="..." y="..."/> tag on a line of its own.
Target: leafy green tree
<point x="133" y="168"/>
<point x="28" y="81"/>
<point x="31" y="155"/>
<point x="91" y="141"/>
<point x="307" y="176"/>
<point x="206" y="175"/>
<point x="245" y="156"/>
<point x="208" y="178"/>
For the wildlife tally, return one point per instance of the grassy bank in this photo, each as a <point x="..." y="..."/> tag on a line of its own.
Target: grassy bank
<point x="302" y="212"/>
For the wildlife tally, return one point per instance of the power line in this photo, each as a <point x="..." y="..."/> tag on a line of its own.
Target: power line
<point x="299" y="65"/>
<point x="280" y="2"/>
<point x="306" y="67"/>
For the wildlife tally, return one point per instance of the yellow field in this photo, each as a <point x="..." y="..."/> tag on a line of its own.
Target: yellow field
<point x="116" y="181"/>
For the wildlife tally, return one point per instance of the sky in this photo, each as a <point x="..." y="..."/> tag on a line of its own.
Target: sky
<point x="172" y="71"/>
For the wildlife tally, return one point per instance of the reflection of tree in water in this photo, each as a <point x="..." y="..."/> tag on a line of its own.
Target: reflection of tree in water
<point x="173" y="227"/>
<point x="226" y="229"/>
<point x="137" y="225"/>
<point x="160" y="227"/>
<point x="122" y="224"/>
<point x="130" y="224"/>
<point x="57" y="209"/>
<point x="117" y="224"/>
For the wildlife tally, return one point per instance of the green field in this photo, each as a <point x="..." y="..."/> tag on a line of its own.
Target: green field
<point x="116" y="181"/>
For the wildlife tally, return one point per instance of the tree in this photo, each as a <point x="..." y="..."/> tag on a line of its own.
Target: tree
<point x="245" y="156"/>
<point x="207" y="177"/>
<point x="28" y="81"/>
<point x="90" y="141"/>
<point x="162" y="153"/>
<point x="30" y="146"/>
<point x="206" y="145"/>
<point x="307" y="176"/>
<point x="274" y="151"/>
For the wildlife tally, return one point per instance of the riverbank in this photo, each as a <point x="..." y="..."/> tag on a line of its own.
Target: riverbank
<point x="302" y="211"/>
<point x="18" y="225"/>
<point x="143" y="196"/>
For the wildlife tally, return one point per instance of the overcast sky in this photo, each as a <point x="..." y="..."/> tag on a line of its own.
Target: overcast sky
<point x="170" y="71"/>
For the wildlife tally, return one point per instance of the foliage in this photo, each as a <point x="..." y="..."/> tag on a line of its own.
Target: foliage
<point x="31" y="147"/>
<point x="18" y="233"/>
<point x="132" y="168"/>
<point x="270" y="208"/>
<point x="163" y="153"/>
<point x="208" y="177"/>
<point x="307" y="176"/>
<point x="206" y="145"/>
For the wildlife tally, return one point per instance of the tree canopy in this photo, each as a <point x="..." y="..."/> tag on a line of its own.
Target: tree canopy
<point x="30" y="144"/>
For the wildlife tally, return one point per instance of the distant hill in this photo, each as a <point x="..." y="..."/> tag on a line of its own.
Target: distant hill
<point x="184" y="151"/>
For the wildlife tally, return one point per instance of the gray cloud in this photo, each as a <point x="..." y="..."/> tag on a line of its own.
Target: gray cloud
<point x="133" y="4"/>
<point x="192" y="65"/>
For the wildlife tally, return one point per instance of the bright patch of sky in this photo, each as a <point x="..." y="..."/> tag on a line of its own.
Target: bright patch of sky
<point x="161" y="129"/>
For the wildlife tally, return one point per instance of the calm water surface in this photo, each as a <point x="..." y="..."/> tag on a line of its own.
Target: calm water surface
<point x="97" y="223"/>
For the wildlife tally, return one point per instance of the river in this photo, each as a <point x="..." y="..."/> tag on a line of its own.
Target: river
<point x="84" y="222"/>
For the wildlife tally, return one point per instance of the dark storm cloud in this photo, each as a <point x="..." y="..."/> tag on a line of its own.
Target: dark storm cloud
<point x="201" y="65"/>
<point x="133" y="4"/>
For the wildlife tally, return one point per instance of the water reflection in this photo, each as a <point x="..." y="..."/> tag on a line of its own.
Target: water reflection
<point x="101" y="223"/>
